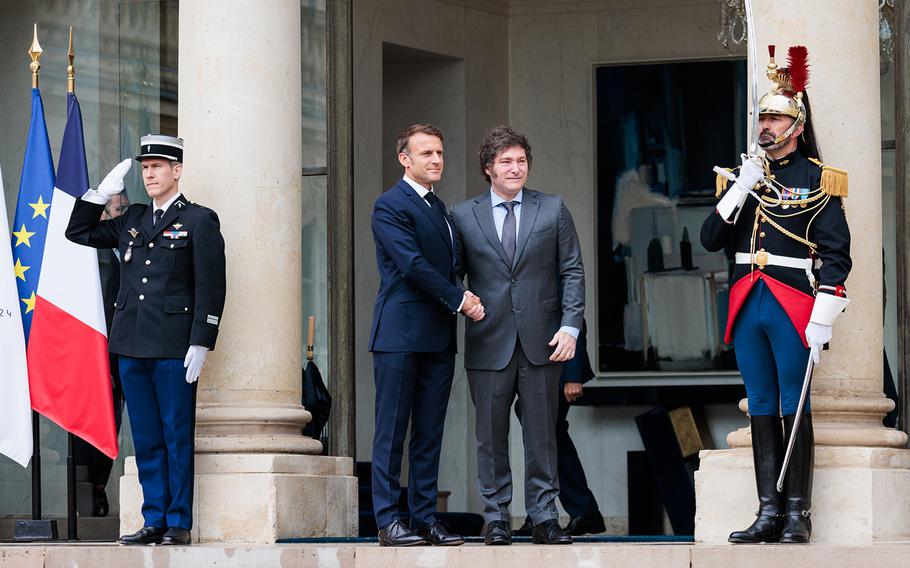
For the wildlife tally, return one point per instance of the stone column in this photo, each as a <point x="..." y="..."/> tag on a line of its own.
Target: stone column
<point x="257" y="478"/>
<point x="862" y="478"/>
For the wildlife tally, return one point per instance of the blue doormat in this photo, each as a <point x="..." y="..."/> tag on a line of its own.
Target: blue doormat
<point x="517" y="539"/>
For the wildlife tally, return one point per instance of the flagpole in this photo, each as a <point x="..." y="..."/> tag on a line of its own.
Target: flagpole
<point x="37" y="528"/>
<point x="71" y="524"/>
<point x="34" y="53"/>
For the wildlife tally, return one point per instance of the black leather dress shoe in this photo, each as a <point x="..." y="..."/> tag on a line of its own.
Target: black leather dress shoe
<point x="175" y="536"/>
<point x="549" y="532"/>
<point x="436" y="534"/>
<point x="396" y="534"/>
<point x="525" y="529"/>
<point x="145" y="535"/>
<point x="589" y="523"/>
<point x="497" y="533"/>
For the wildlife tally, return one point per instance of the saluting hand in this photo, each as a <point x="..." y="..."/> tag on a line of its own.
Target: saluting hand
<point x="112" y="184"/>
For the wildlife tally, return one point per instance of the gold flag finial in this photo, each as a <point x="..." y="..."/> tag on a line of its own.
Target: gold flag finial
<point x="70" y="70"/>
<point x="35" y="52"/>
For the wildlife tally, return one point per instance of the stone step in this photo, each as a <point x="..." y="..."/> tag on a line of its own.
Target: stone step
<point x="473" y="555"/>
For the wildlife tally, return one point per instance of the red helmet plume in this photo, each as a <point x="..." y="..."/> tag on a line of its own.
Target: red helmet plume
<point x="798" y="67"/>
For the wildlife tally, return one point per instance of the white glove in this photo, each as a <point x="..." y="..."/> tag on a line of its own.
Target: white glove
<point x="732" y="202"/>
<point x="751" y="172"/>
<point x="193" y="362"/>
<point x="111" y="185"/>
<point x="817" y="334"/>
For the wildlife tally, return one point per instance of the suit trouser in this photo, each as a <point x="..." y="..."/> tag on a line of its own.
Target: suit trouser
<point x="415" y="387"/>
<point x="574" y="494"/>
<point x="493" y="392"/>
<point x="162" y="411"/>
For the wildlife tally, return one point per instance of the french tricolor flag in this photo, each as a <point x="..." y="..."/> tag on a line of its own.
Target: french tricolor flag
<point x="68" y="366"/>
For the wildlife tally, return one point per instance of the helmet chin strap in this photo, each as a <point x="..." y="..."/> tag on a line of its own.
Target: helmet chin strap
<point x="789" y="132"/>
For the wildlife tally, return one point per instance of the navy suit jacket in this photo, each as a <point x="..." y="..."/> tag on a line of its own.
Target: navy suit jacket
<point x="418" y="296"/>
<point x="578" y="369"/>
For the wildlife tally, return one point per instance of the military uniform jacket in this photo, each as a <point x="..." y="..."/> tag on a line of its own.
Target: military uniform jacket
<point x="814" y="213"/>
<point x="172" y="275"/>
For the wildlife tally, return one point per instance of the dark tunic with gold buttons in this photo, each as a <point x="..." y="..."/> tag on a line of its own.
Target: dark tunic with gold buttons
<point x="810" y="223"/>
<point x="172" y="283"/>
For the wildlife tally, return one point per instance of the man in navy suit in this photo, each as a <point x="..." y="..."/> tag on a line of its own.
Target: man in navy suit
<point x="413" y="339"/>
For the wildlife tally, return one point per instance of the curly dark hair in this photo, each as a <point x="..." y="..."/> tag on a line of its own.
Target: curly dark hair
<point x="401" y="143"/>
<point x="497" y="140"/>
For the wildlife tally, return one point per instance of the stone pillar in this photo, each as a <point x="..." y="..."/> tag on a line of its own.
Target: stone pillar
<point x="862" y="478"/>
<point x="257" y="478"/>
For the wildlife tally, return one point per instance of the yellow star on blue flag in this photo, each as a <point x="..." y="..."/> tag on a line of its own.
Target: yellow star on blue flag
<point x="36" y="190"/>
<point x="22" y="236"/>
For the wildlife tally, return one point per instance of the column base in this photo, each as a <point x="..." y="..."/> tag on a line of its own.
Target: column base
<point x="260" y="498"/>
<point x="860" y="495"/>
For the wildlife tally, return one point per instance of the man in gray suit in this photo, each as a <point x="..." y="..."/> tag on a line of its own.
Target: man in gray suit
<point x="518" y="249"/>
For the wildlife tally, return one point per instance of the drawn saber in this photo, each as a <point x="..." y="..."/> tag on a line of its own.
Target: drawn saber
<point x="752" y="143"/>
<point x="807" y="380"/>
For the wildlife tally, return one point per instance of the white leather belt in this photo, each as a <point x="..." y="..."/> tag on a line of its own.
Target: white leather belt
<point x="764" y="258"/>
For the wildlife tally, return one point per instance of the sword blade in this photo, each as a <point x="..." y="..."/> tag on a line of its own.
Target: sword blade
<point x="752" y="142"/>
<point x="807" y="380"/>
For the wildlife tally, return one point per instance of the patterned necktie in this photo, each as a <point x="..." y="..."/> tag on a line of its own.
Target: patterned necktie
<point x="158" y="215"/>
<point x="508" y="230"/>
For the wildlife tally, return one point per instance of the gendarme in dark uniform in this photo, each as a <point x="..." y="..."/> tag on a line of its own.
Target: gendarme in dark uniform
<point x="166" y="319"/>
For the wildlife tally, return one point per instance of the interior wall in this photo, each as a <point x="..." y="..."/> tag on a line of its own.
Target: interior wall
<point x="476" y="40"/>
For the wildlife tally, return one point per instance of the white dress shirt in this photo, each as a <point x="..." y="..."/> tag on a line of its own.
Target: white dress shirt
<point x="166" y="204"/>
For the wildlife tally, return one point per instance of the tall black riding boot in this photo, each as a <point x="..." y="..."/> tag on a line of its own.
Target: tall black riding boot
<point x="798" y="483"/>
<point x="768" y="455"/>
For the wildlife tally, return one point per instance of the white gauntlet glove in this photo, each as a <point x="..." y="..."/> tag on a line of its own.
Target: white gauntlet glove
<point x="817" y="334"/>
<point x="825" y="310"/>
<point x="751" y="172"/>
<point x="193" y="362"/>
<point x="111" y="185"/>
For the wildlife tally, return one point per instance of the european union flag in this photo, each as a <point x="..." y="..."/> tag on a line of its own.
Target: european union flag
<point x="36" y="188"/>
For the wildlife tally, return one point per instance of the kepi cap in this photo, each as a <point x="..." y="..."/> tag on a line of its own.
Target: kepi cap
<point x="161" y="146"/>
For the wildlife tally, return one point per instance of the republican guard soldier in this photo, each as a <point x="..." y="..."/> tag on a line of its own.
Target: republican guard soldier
<point x="166" y="320"/>
<point x="783" y="214"/>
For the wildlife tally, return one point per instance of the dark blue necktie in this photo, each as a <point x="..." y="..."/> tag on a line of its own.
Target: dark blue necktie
<point x="439" y="211"/>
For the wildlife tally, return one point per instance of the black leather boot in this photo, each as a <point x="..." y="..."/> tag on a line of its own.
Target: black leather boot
<point x="768" y="456"/>
<point x="798" y="482"/>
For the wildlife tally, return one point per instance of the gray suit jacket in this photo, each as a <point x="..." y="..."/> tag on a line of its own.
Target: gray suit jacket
<point x="522" y="300"/>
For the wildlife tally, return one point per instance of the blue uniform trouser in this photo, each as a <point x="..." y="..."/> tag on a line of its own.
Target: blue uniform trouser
<point x="411" y="387"/>
<point x="770" y="354"/>
<point x="162" y="410"/>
